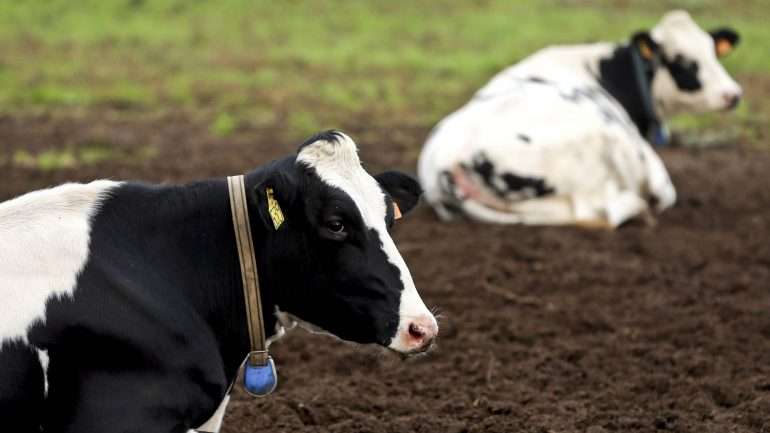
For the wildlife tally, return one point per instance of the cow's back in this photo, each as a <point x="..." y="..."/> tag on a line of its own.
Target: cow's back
<point x="45" y="244"/>
<point x="558" y="64"/>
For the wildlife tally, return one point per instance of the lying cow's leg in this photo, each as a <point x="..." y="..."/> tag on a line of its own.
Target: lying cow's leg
<point x="443" y="197"/>
<point x="659" y="184"/>
<point x="21" y="388"/>
<point x="540" y="211"/>
<point x="625" y="206"/>
<point x="479" y="212"/>
<point x="554" y="210"/>
<point x="481" y="204"/>
<point x="609" y="213"/>
<point x="559" y="210"/>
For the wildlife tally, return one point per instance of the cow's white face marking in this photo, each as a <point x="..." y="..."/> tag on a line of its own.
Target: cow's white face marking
<point x="338" y="165"/>
<point x="679" y="36"/>
<point x="45" y="238"/>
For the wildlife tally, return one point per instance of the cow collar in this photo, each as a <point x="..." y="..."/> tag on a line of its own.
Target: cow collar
<point x="259" y="376"/>
<point x="656" y="131"/>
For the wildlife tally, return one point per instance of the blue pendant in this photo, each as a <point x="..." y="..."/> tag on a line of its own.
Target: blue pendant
<point x="660" y="136"/>
<point x="260" y="380"/>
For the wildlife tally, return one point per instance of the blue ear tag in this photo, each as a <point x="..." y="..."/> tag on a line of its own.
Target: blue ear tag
<point x="260" y="380"/>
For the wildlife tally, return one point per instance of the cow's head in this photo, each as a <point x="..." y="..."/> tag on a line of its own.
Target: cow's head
<point x="333" y="258"/>
<point x="691" y="77"/>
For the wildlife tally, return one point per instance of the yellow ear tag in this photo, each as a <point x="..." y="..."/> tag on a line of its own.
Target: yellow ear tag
<point x="396" y="212"/>
<point x="645" y="51"/>
<point x="274" y="209"/>
<point x="723" y="47"/>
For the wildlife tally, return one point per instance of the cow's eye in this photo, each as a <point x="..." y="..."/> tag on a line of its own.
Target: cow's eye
<point x="335" y="226"/>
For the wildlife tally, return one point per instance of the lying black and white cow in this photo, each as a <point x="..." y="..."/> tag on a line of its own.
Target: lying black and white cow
<point x="559" y="138"/>
<point x="122" y="308"/>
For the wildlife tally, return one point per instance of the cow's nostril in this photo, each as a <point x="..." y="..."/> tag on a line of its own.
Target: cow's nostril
<point x="731" y="99"/>
<point x="416" y="331"/>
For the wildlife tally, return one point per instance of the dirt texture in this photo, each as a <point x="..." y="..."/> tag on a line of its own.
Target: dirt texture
<point x="644" y="329"/>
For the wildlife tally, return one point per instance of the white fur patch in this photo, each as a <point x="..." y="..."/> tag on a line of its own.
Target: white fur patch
<point x="45" y="239"/>
<point x="338" y="165"/>
<point x="42" y="355"/>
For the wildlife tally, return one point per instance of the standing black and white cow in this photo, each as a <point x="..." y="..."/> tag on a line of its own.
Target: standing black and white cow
<point x="559" y="138"/>
<point x="122" y="306"/>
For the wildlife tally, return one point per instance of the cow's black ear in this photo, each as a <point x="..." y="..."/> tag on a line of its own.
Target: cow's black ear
<point x="402" y="188"/>
<point x="274" y="197"/>
<point x="725" y="40"/>
<point x="647" y="47"/>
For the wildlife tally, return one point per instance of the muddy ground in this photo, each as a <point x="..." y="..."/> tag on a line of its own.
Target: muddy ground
<point x="662" y="328"/>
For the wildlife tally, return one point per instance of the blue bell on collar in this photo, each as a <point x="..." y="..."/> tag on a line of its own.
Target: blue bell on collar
<point x="660" y="136"/>
<point x="259" y="380"/>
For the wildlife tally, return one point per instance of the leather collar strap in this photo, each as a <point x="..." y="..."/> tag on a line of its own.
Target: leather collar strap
<point x="238" y="205"/>
<point x="259" y="376"/>
<point x="656" y="133"/>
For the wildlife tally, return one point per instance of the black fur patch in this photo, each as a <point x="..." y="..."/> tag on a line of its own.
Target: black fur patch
<point x="616" y="76"/>
<point x="684" y="72"/>
<point x="519" y="183"/>
<point x="21" y="388"/>
<point x="507" y="184"/>
<point x="332" y="136"/>
<point x="538" y="80"/>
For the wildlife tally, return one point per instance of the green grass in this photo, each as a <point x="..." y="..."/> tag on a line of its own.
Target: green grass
<point x="84" y="154"/>
<point x="308" y="64"/>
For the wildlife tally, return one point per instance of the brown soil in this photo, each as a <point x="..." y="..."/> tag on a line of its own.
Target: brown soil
<point x="542" y="329"/>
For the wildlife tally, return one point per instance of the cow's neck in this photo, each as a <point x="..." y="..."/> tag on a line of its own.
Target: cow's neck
<point x="620" y="75"/>
<point x="200" y="223"/>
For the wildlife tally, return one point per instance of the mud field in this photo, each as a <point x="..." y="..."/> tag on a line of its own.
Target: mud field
<point x="662" y="328"/>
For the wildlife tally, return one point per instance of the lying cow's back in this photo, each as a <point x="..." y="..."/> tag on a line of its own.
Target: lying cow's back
<point x="561" y="63"/>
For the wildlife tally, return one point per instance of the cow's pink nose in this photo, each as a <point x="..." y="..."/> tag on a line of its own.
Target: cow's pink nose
<point x="731" y="99"/>
<point x="416" y="331"/>
<point x="422" y="332"/>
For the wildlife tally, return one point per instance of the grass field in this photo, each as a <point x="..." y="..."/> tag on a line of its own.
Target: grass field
<point x="307" y="65"/>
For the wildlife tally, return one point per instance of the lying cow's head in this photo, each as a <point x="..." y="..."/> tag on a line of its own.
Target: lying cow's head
<point x="333" y="257"/>
<point x="691" y="77"/>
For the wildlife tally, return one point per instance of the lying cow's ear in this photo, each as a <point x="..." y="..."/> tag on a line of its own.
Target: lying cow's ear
<point x="403" y="189"/>
<point x="274" y="197"/>
<point x="725" y="40"/>
<point x="648" y="48"/>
